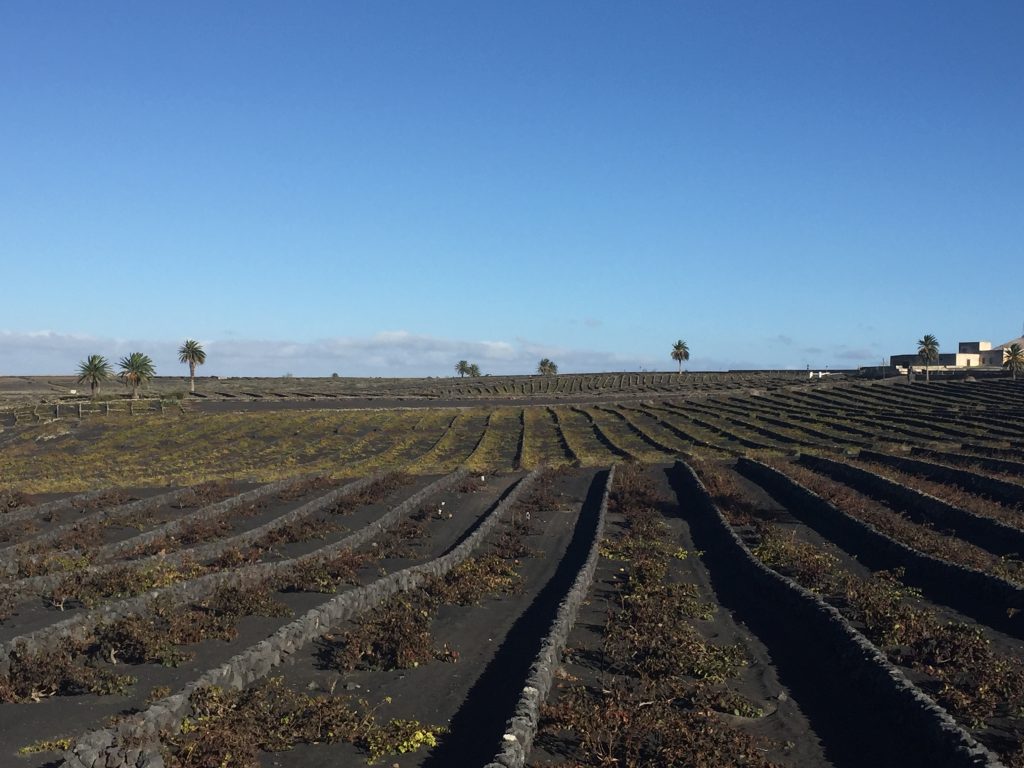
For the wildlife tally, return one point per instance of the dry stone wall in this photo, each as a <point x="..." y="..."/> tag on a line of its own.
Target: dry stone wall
<point x="522" y="728"/>
<point x="133" y="743"/>
<point x="856" y="657"/>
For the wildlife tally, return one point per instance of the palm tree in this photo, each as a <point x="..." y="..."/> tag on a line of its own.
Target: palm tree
<point x="928" y="351"/>
<point x="680" y="352"/>
<point x="1014" y="360"/>
<point x="462" y="368"/>
<point x="93" y="370"/>
<point x="547" y="368"/>
<point x="136" y="370"/>
<point x="474" y="370"/>
<point x="191" y="352"/>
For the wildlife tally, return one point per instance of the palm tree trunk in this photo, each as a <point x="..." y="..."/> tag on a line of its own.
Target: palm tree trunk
<point x="680" y="366"/>
<point x="192" y="376"/>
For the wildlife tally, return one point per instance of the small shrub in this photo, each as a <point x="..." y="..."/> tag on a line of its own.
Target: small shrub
<point x="395" y="636"/>
<point x="229" y="728"/>
<point x="62" y="671"/>
<point x="474" y="579"/>
<point x="323" y="574"/>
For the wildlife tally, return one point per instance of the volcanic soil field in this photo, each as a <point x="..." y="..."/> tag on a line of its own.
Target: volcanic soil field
<point x="620" y="570"/>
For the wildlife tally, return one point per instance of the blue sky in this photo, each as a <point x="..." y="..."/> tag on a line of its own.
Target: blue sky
<point x="382" y="188"/>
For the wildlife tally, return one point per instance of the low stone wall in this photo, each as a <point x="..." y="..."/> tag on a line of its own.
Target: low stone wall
<point x="986" y="532"/>
<point x="857" y="659"/>
<point x="49" y="507"/>
<point x="989" y="598"/>
<point x="988" y="462"/>
<point x="134" y="742"/>
<point x="206" y="513"/>
<point x="81" y="625"/>
<point x="522" y="726"/>
<point x="9" y="554"/>
<point x="1000" y="490"/>
<point x="39" y="584"/>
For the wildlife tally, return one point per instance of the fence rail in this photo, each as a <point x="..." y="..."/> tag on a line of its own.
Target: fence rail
<point x="39" y="411"/>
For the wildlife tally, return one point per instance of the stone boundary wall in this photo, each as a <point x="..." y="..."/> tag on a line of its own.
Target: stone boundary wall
<point x="969" y="590"/>
<point x="206" y="513"/>
<point x="521" y="728"/>
<point x="634" y="429"/>
<point x="727" y="435"/>
<point x="652" y="413"/>
<point x="134" y="742"/>
<point x="987" y="532"/>
<point x="600" y="434"/>
<point x="988" y="462"/>
<point x="9" y="553"/>
<point x="563" y="439"/>
<point x="1000" y="490"/>
<point x="37" y="584"/>
<point x="912" y="710"/>
<point x="196" y="589"/>
<point x="49" y="507"/>
<point x="809" y="427"/>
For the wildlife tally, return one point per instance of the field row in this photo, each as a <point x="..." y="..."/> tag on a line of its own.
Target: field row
<point x="420" y="551"/>
<point x="67" y="455"/>
<point x="411" y="609"/>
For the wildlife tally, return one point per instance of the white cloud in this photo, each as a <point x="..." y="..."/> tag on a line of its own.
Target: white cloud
<point x="387" y="353"/>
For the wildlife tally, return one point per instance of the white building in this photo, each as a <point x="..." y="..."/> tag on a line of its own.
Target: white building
<point x="969" y="354"/>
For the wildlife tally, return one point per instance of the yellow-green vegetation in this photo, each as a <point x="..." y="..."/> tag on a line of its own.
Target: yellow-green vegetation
<point x="412" y="434"/>
<point x="377" y="432"/>
<point x="497" y="448"/>
<point x="46" y="745"/>
<point x="649" y="424"/>
<point x="456" y="445"/>
<point x="618" y="431"/>
<point x="540" y="442"/>
<point x="185" y="449"/>
<point x="579" y="433"/>
<point x="231" y="728"/>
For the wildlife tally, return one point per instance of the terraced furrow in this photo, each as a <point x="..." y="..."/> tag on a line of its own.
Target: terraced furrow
<point x="671" y="420"/>
<point x="880" y="681"/>
<point x="594" y="446"/>
<point x="662" y="440"/>
<point x="498" y="447"/>
<point x="121" y="745"/>
<point x="948" y="570"/>
<point x="713" y="424"/>
<point x="78" y="623"/>
<point x="456" y="446"/>
<point x="1008" y="493"/>
<point x="982" y="523"/>
<point x="214" y="521"/>
<point x="651" y="643"/>
<point x="543" y="441"/>
<point x="410" y="445"/>
<point x="89" y="529"/>
<point x="1003" y="468"/>
<point x="620" y="436"/>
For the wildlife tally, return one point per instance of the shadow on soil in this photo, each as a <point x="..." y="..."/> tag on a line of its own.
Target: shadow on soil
<point x="477" y="728"/>
<point x="852" y="729"/>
